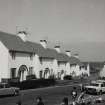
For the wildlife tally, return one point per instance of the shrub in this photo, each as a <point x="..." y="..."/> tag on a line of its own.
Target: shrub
<point x="31" y="84"/>
<point x="67" y="77"/>
<point x="16" y="79"/>
<point x="51" y="77"/>
<point x="29" y="77"/>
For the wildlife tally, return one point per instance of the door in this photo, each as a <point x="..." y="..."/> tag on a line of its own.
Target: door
<point x="13" y="72"/>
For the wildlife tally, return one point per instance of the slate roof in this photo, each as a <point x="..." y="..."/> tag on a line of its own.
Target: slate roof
<point x="42" y="52"/>
<point x="49" y="53"/>
<point x="15" y="43"/>
<point x="62" y="57"/>
<point x="74" y="60"/>
<point x="35" y="47"/>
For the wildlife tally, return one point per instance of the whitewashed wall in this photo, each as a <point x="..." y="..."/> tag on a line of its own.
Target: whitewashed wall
<point x="102" y="72"/>
<point x="4" y="72"/>
<point x="67" y="68"/>
<point x="36" y="64"/>
<point x="62" y="66"/>
<point x="75" y="69"/>
<point x="55" y="67"/>
<point x="20" y="59"/>
<point x="46" y="63"/>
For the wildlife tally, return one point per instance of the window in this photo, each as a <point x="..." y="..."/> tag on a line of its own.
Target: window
<point x="80" y="68"/>
<point x="102" y="85"/>
<point x="85" y="67"/>
<point x="13" y="54"/>
<point x="41" y="74"/>
<point x="94" y="84"/>
<point x="30" y="70"/>
<point x="41" y="61"/>
<point x="31" y="56"/>
<point x="13" y="72"/>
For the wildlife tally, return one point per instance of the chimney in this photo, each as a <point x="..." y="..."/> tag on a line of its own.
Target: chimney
<point x="57" y="48"/>
<point x="76" y="55"/>
<point x="68" y="53"/>
<point x="23" y="35"/>
<point x="43" y="43"/>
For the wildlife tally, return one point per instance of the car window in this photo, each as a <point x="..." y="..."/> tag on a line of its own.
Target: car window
<point x="102" y="85"/>
<point x="94" y="84"/>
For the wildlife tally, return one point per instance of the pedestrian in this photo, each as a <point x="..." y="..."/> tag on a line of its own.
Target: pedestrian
<point x="81" y="98"/>
<point x="65" y="101"/>
<point x="74" y="95"/>
<point x="39" y="101"/>
<point x="82" y="87"/>
<point x="19" y="100"/>
<point x="19" y="103"/>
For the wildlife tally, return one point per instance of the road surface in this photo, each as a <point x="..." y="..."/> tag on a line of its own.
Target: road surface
<point x="50" y="95"/>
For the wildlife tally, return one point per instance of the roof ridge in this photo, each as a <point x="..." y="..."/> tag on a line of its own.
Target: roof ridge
<point x="6" y="33"/>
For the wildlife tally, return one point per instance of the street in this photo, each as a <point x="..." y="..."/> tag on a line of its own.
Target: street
<point x="50" y="96"/>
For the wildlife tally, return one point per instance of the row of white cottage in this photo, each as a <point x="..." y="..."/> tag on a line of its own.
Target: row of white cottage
<point x="19" y="58"/>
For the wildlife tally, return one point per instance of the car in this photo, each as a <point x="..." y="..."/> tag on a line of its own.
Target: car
<point x="6" y="90"/>
<point x="102" y="81"/>
<point x="95" y="87"/>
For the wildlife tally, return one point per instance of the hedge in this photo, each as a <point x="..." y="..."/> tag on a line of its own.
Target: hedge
<point x="31" y="84"/>
<point x="67" y="77"/>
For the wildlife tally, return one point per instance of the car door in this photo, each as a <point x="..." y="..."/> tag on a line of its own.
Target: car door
<point x="5" y="90"/>
<point x="103" y="87"/>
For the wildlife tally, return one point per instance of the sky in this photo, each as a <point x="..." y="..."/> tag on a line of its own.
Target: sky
<point x="77" y="25"/>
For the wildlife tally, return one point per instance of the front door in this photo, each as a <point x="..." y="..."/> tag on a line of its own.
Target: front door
<point x="13" y="72"/>
<point x="22" y="73"/>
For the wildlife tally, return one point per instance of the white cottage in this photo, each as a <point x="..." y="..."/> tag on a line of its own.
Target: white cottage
<point x="77" y="68"/>
<point x="102" y="71"/>
<point x="16" y="56"/>
<point x="63" y="63"/>
<point x="48" y="61"/>
<point x="20" y="58"/>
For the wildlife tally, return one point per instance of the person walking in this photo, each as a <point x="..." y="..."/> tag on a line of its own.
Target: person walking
<point x="19" y="100"/>
<point x="74" y="95"/>
<point x="82" y="87"/>
<point x="81" y="98"/>
<point x="39" y="101"/>
<point x="64" y="101"/>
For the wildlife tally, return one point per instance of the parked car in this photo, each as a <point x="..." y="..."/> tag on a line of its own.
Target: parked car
<point x="102" y="81"/>
<point x="6" y="90"/>
<point x="95" y="87"/>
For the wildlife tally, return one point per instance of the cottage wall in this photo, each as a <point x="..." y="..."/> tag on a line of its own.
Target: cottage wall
<point x="68" y="68"/>
<point x="55" y="67"/>
<point x="37" y="65"/>
<point x="74" y="70"/>
<point x="4" y="72"/>
<point x="19" y="60"/>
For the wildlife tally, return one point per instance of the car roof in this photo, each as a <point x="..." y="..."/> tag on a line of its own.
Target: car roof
<point x="96" y="82"/>
<point x="3" y="83"/>
<point x="100" y="80"/>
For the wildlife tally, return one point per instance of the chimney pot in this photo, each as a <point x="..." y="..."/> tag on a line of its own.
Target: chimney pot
<point x="43" y="43"/>
<point x="23" y="35"/>
<point x="76" y="55"/>
<point x="57" y="48"/>
<point x="68" y="53"/>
